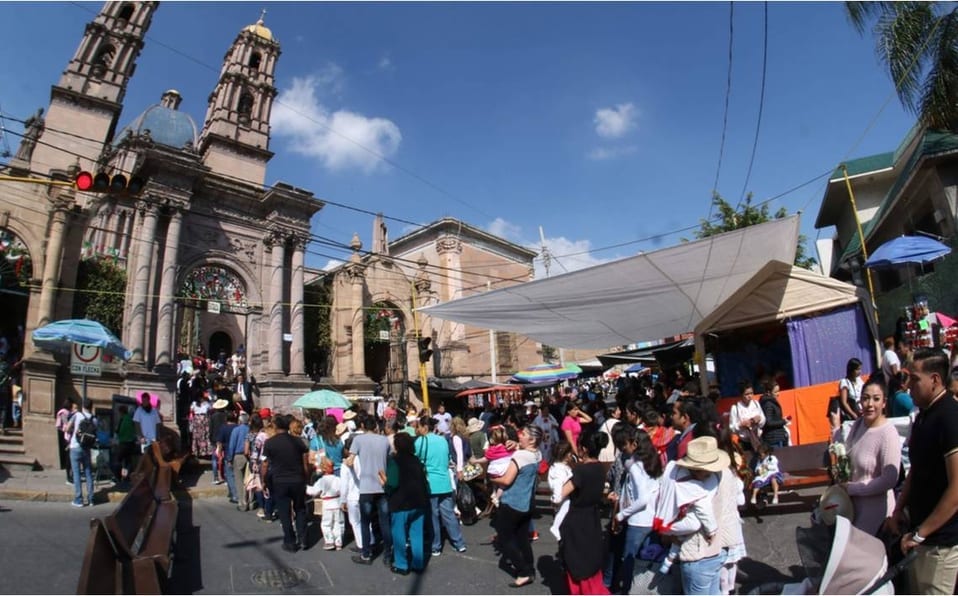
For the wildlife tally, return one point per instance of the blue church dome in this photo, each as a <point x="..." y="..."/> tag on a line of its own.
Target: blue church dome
<point x="166" y="125"/>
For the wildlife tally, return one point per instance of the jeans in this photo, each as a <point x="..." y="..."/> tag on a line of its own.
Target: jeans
<point x="512" y="531"/>
<point x="287" y="495"/>
<point x="230" y="480"/>
<point x="409" y="525"/>
<point x="80" y="458"/>
<point x="634" y="537"/>
<point x="443" y="506"/>
<point x="215" y="462"/>
<point x="368" y="503"/>
<point x="702" y="576"/>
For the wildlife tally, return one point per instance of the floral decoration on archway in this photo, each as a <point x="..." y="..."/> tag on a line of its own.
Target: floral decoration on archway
<point x="16" y="267"/>
<point x="382" y="317"/>
<point x="212" y="283"/>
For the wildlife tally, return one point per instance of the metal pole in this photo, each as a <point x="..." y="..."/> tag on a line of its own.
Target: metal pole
<point x="861" y="238"/>
<point x="422" y="365"/>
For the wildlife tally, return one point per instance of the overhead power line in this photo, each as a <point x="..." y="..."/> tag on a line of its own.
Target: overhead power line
<point x="728" y="94"/>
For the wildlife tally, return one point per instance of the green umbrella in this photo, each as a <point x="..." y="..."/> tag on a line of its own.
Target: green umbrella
<point x="321" y="400"/>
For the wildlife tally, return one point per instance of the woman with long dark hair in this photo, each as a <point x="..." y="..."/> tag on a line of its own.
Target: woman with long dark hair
<point x="581" y="529"/>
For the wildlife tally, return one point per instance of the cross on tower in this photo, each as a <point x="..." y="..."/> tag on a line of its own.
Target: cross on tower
<point x="262" y="16"/>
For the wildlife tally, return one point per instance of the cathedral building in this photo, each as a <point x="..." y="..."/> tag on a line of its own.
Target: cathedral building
<point x="207" y="255"/>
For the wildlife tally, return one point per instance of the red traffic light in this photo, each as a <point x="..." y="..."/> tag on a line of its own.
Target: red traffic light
<point x="83" y="181"/>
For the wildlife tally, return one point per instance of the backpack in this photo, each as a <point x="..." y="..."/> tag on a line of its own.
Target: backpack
<point x="86" y="433"/>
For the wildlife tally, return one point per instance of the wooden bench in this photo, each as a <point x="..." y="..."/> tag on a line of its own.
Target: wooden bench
<point x="143" y="529"/>
<point x="130" y="550"/>
<point x="803" y="465"/>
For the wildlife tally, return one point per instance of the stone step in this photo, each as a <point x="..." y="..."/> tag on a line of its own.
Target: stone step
<point x="12" y="449"/>
<point x="11" y="439"/>
<point x="17" y="462"/>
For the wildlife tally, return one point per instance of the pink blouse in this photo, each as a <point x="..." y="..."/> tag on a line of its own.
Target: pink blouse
<point x="875" y="456"/>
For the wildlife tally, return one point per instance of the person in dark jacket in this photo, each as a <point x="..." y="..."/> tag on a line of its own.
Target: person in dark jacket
<point x="774" y="433"/>
<point x="408" y="500"/>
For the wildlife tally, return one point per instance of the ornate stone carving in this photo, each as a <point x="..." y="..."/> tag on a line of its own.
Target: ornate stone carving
<point x="248" y="247"/>
<point x="32" y="129"/>
<point x="446" y="244"/>
<point x="355" y="273"/>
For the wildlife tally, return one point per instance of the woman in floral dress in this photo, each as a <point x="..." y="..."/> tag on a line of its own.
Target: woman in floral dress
<point x="200" y="426"/>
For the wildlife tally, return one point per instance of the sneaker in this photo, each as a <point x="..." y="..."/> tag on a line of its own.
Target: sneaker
<point x="436" y="553"/>
<point x="290" y="548"/>
<point x="461" y="548"/>
<point x="775" y="501"/>
<point x="329" y="546"/>
<point x="339" y="547"/>
<point x="533" y="536"/>
<point x="361" y="560"/>
<point x="69" y="483"/>
<point x="77" y="503"/>
<point x="260" y="514"/>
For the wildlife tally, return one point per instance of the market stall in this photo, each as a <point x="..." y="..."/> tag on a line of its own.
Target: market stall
<point x="797" y="327"/>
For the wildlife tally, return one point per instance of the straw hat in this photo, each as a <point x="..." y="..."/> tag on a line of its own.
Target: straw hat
<point x="704" y="454"/>
<point x="349" y="415"/>
<point x="341" y="428"/>
<point x="220" y="404"/>
<point x="475" y="425"/>
<point x="835" y="502"/>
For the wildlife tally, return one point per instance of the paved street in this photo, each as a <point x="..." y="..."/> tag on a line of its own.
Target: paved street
<point x="223" y="551"/>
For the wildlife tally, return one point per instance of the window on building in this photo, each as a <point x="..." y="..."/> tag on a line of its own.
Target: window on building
<point x="245" y="106"/>
<point x="126" y="12"/>
<point x="255" y="59"/>
<point x="103" y="59"/>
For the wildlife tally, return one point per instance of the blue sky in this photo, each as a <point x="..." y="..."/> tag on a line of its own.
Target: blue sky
<point x="599" y="122"/>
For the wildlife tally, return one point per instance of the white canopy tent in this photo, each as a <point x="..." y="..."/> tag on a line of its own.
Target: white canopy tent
<point x="648" y="296"/>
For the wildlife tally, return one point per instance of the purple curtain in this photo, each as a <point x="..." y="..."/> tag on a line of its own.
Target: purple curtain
<point x="823" y="344"/>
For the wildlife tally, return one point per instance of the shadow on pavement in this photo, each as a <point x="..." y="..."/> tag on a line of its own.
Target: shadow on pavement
<point x="552" y="575"/>
<point x="752" y="574"/>
<point x="187" y="575"/>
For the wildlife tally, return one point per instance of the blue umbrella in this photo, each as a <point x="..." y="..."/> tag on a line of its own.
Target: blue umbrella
<point x="907" y="250"/>
<point x="321" y="400"/>
<point x="61" y="335"/>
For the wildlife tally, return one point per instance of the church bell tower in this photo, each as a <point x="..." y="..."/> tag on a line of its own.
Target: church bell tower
<point x="86" y="103"/>
<point x="235" y="137"/>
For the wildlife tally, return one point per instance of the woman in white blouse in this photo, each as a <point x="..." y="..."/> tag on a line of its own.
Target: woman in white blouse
<point x="746" y="418"/>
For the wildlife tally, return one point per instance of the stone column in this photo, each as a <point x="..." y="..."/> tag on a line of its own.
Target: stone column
<point x="278" y="253"/>
<point x="355" y="273"/>
<point x="167" y="311"/>
<point x="297" y="365"/>
<point x="51" y="265"/>
<point x="141" y="282"/>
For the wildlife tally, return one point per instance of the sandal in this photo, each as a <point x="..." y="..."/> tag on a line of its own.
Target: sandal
<point x="529" y="581"/>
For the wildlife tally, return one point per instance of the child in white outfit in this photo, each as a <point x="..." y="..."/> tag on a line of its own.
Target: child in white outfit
<point x="327" y="488"/>
<point x="498" y="456"/>
<point x="559" y="472"/>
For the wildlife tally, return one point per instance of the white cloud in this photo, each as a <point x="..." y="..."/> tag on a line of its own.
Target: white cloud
<point x="566" y="255"/>
<point x="604" y="153"/>
<point x="612" y="123"/>
<point x="386" y="63"/>
<point x="332" y="264"/>
<point x="504" y="229"/>
<point x="339" y="139"/>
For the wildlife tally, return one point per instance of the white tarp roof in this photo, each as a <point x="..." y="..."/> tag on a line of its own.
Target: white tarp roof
<point x="780" y="291"/>
<point x="648" y="296"/>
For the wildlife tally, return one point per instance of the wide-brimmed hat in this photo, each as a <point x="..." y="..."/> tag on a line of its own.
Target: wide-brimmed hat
<point x="220" y="404"/>
<point x="475" y="425"/>
<point x="834" y="502"/>
<point x="704" y="454"/>
<point x="349" y="415"/>
<point x="265" y="413"/>
<point x="341" y="428"/>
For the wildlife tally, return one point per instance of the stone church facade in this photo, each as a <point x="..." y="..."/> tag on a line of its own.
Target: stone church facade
<point x="212" y="257"/>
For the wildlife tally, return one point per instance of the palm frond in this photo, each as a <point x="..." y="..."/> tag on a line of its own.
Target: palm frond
<point x="939" y="99"/>
<point x="862" y="13"/>
<point x="906" y="40"/>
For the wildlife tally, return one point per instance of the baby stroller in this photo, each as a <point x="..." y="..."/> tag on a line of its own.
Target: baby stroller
<point x="840" y="559"/>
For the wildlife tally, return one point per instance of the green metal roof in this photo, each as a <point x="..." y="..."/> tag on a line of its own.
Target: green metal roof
<point x="933" y="142"/>
<point x="863" y="165"/>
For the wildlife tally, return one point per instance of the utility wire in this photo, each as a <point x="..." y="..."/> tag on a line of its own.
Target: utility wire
<point x="728" y="94"/>
<point x="761" y="107"/>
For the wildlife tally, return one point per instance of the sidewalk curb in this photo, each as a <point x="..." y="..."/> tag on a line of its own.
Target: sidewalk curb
<point x="13" y="494"/>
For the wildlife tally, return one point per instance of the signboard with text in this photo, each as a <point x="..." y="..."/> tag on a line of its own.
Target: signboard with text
<point x="85" y="360"/>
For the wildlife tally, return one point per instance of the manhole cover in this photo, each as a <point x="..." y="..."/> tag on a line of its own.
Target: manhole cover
<point x="280" y="577"/>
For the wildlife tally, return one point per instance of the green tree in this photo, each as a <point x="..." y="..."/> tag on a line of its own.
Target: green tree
<point x="918" y="44"/>
<point x="317" y="332"/>
<point x="731" y="218"/>
<point x="101" y="289"/>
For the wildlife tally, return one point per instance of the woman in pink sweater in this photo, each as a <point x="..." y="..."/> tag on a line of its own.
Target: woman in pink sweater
<point x="874" y="451"/>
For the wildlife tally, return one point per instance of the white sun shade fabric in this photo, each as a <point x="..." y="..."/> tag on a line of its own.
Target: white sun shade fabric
<point x="645" y="297"/>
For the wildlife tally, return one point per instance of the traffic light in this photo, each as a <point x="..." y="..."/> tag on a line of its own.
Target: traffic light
<point x="104" y="183"/>
<point x="424" y="352"/>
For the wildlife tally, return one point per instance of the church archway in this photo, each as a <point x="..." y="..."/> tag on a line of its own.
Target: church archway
<point x="16" y="271"/>
<point x="220" y="343"/>
<point x="385" y="347"/>
<point x="212" y="297"/>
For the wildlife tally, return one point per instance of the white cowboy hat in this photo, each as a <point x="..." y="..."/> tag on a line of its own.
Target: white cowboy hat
<point x="475" y="425"/>
<point x="349" y="415"/>
<point x="220" y="404"/>
<point x="704" y="454"/>
<point x="341" y="428"/>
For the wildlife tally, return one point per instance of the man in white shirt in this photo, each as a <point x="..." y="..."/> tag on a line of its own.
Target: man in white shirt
<point x="890" y="362"/>
<point x="146" y="419"/>
<point x="443" y="420"/>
